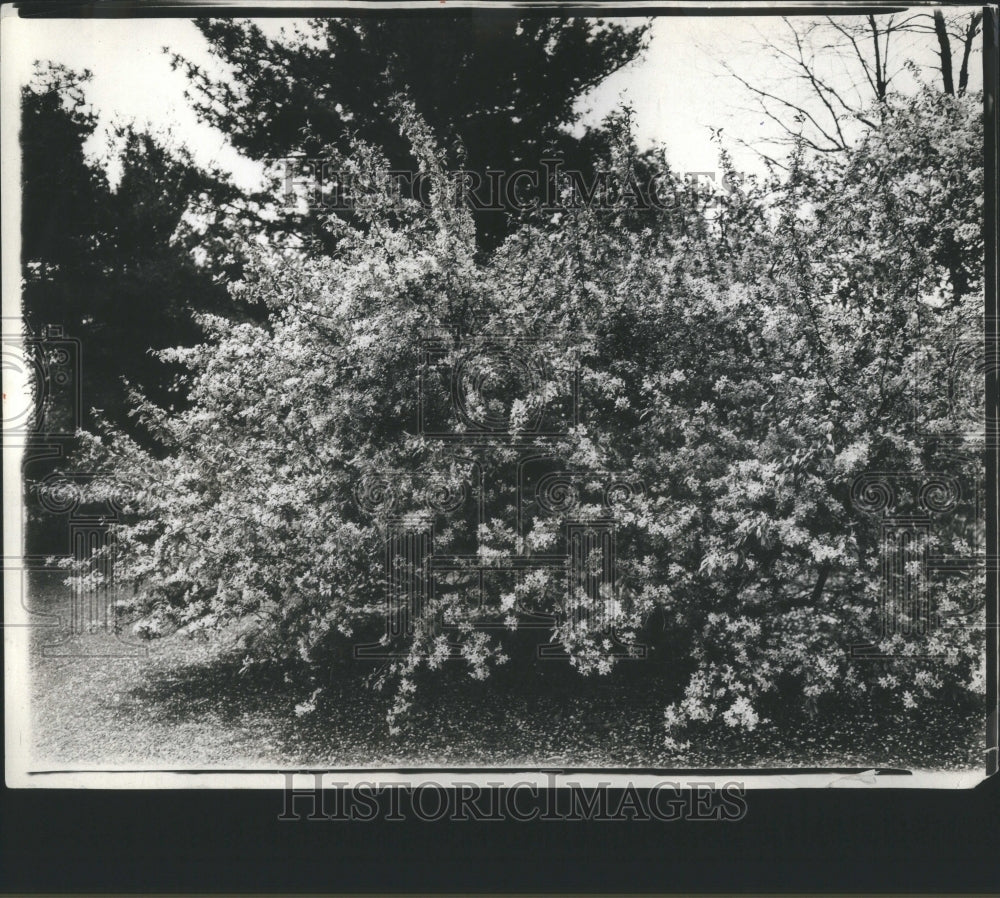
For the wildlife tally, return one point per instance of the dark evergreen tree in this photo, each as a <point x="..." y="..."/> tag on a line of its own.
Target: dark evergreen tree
<point x="502" y="89"/>
<point x="111" y="266"/>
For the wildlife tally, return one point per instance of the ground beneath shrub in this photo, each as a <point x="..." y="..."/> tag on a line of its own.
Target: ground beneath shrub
<point x="185" y="704"/>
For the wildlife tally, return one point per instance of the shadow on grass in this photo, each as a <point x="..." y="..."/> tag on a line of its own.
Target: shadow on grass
<point x="542" y="715"/>
<point x="533" y="716"/>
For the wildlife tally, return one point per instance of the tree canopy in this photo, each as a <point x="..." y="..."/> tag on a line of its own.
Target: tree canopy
<point x="498" y="91"/>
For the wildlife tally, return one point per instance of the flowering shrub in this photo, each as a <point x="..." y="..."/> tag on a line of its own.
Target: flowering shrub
<point x="735" y="374"/>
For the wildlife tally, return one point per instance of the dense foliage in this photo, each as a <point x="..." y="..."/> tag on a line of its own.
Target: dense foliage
<point x="740" y="365"/>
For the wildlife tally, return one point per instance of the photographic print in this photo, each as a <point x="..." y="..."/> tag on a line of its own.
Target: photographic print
<point x="521" y="394"/>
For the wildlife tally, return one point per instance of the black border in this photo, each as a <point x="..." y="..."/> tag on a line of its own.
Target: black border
<point x="202" y="841"/>
<point x="116" y="9"/>
<point x="874" y="840"/>
<point x="991" y="94"/>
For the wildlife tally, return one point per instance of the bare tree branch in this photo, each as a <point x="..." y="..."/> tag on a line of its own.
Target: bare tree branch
<point x="764" y="95"/>
<point x="846" y="71"/>
<point x="857" y="51"/>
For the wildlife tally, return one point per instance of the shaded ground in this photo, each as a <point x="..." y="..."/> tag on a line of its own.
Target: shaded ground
<point x="186" y="705"/>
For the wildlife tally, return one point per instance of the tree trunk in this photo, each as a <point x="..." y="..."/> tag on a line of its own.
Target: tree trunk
<point x="944" y="47"/>
<point x="817" y="593"/>
<point x="881" y="88"/>
<point x="970" y="34"/>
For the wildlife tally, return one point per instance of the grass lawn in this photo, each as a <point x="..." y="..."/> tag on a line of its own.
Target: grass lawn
<point x="185" y="705"/>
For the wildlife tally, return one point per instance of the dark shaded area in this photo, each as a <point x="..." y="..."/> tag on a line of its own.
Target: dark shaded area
<point x="108" y="275"/>
<point x="552" y="715"/>
<point x="111" y="266"/>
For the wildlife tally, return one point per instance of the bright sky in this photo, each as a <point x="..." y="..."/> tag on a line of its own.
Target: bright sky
<point x="678" y="89"/>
